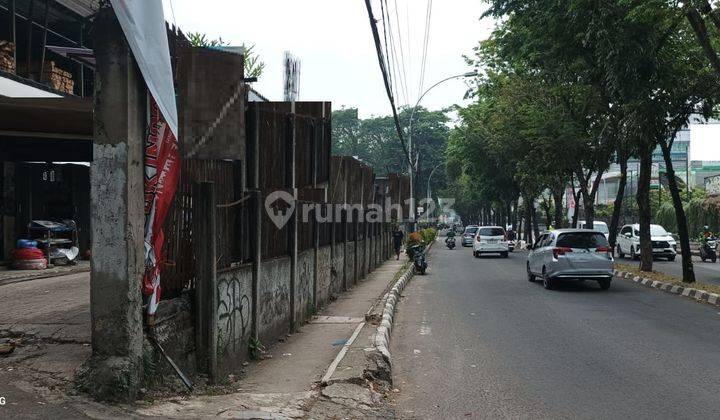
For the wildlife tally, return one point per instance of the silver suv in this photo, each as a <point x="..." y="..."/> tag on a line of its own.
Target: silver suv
<point x="571" y="254"/>
<point x="468" y="237"/>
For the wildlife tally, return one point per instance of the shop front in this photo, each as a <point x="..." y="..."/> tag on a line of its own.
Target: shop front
<point x="45" y="154"/>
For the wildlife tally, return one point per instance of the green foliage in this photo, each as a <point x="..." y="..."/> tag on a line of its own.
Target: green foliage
<point x="665" y="216"/>
<point x="255" y="348"/>
<point x="374" y="141"/>
<point x="201" y="40"/>
<point x="254" y="67"/>
<point x="428" y="236"/>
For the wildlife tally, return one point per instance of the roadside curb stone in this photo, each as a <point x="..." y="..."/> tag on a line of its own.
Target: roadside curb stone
<point x="381" y="341"/>
<point x="697" y="294"/>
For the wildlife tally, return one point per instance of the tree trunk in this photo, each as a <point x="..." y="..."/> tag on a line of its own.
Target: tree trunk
<point x="536" y="228"/>
<point x="548" y="216"/>
<point x="589" y="206"/>
<point x="698" y="25"/>
<point x="687" y="265"/>
<point x="617" y="207"/>
<point x="576" y="213"/>
<point x="508" y="215"/>
<point x="558" y="199"/>
<point x="528" y="222"/>
<point x="643" y="201"/>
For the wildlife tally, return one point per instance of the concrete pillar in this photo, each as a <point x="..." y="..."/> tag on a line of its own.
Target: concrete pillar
<point x="256" y="229"/>
<point x="115" y="369"/>
<point x="293" y="223"/>
<point x="205" y="248"/>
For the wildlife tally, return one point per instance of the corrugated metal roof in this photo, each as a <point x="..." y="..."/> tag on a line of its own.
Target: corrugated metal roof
<point x="82" y="7"/>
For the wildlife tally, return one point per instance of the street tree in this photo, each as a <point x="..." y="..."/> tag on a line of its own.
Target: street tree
<point x="254" y="67"/>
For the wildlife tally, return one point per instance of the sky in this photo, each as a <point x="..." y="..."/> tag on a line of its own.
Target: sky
<point x="334" y="42"/>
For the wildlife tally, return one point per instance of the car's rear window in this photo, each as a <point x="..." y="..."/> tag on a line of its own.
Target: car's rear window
<point x="491" y="232"/>
<point x="471" y="230"/>
<point x="582" y="240"/>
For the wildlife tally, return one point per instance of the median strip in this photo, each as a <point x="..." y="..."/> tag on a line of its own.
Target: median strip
<point x="706" y="293"/>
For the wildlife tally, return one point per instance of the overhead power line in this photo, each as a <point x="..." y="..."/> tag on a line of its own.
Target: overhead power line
<point x="426" y="42"/>
<point x="383" y="70"/>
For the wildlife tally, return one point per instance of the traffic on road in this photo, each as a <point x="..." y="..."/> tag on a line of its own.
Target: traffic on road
<point x="473" y="338"/>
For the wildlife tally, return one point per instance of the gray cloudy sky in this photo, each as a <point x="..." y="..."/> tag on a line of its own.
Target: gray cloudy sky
<point x="333" y="40"/>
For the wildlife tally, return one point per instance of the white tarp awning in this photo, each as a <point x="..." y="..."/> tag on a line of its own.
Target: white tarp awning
<point x="13" y="89"/>
<point x="143" y="23"/>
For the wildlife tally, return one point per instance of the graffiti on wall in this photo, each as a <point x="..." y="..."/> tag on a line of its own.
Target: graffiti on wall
<point x="233" y="315"/>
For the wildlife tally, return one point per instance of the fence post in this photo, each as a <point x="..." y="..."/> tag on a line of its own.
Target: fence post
<point x="293" y="223"/>
<point x="316" y="246"/>
<point x="257" y="262"/>
<point x="257" y="208"/>
<point x="204" y="225"/>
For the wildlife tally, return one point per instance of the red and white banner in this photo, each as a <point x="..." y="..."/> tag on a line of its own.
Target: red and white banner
<point x="162" y="171"/>
<point x="143" y="24"/>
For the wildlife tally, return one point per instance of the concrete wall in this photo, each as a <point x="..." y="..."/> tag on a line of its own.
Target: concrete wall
<point x="324" y="277"/>
<point x="361" y="270"/>
<point x="274" y="299"/>
<point x="175" y="331"/>
<point x="234" y="309"/>
<point x="338" y="269"/>
<point x="304" y="286"/>
<point x="350" y="263"/>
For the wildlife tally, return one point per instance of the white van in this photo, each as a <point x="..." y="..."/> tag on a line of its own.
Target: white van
<point x="598" y="226"/>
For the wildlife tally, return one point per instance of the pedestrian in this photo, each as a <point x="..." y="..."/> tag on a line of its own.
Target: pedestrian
<point x="398" y="237"/>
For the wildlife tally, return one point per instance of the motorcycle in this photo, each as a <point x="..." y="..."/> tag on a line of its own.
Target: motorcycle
<point x="450" y="242"/>
<point x="418" y="256"/>
<point x="708" y="250"/>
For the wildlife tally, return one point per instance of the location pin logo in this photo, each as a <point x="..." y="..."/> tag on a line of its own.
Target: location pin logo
<point x="280" y="206"/>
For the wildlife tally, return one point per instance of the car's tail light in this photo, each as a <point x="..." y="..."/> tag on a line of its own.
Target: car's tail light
<point x="561" y="251"/>
<point x="603" y="249"/>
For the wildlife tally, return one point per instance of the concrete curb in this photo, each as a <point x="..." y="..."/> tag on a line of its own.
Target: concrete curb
<point x="697" y="294"/>
<point x="382" y="335"/>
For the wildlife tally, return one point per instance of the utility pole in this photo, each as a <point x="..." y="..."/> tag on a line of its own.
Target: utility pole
<point x="413" y="164"/>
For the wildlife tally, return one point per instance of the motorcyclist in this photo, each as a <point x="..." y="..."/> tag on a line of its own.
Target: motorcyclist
<point x="450" y="236"/>
<point x="705" y="235"/>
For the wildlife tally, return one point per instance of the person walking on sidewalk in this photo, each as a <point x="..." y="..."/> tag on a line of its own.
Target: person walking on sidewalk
<point x="398" y="237"/>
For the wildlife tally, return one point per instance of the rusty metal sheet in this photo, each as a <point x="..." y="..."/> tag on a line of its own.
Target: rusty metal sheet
<point x="211" y="104"/>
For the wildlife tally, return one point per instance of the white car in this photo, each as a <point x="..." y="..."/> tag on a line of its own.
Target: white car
<point x="598" y="226"/>
<point x="628" y="242"/>
<point x="571" y="255"/>
<point x="491" y="240"/>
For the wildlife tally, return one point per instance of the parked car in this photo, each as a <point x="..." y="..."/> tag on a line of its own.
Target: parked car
<point x="491" y="240"/>
<point x="468" y="235"/>
<point x="601" y="227"/>
<point x="571" y="255"/>
<point x="628" y="242"/>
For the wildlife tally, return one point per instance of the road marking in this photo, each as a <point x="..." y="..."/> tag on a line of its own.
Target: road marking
<point x="335" y="320"/>
<point x="341" y="355"/>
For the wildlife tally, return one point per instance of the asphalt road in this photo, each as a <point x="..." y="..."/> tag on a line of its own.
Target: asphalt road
<point x="474" y="339"/>
<point x="706" y="272"/>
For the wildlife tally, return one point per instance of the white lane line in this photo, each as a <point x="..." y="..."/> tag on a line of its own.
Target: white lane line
<point x="341" y="355"/>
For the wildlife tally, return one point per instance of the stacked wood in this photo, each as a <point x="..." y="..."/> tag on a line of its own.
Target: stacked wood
<point x="57" y="78"/>
<point x="7" y="51"/>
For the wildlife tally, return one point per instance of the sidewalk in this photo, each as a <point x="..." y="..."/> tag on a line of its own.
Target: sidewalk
<point x="288" y="383"/>
<point x="9" y="275"/>
<point x="49" y="320"/>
